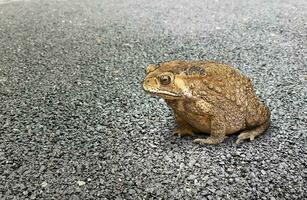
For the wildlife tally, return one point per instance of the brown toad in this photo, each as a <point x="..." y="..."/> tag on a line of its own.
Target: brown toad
<point x="208" y="97"/>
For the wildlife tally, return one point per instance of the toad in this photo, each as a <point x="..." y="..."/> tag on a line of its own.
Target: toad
<point x="208" y="97"/>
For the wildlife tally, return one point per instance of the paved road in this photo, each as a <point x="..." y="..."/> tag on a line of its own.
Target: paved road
<point x="75" y="123"/>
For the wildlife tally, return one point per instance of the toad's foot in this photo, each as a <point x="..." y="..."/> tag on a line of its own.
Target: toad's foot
<point x="210" y="140"/>
<point x="247" y="135"/>
<point x="251" y="134"/>
<point x="183" y="132"/>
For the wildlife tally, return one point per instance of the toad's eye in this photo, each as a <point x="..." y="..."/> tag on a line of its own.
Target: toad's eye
<point x="165" y="80"/>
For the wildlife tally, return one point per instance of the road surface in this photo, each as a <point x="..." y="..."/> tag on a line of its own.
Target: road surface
<point x="76" y="124"/>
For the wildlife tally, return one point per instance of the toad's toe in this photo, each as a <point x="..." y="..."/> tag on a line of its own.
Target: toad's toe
<point x="183" y="132"/>
<point x="210" y="140"/>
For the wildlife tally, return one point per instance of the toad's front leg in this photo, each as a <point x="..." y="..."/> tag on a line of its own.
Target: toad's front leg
<point x="184" y="129"/>
<point x="218" y="131"/>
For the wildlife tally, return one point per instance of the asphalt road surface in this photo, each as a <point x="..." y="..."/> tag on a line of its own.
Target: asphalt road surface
<point x="76" y="124"/>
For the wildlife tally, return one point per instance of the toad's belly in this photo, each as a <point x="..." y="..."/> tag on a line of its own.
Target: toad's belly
<point x="202" y="123"/>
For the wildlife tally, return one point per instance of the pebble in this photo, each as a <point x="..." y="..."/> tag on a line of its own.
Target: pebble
<point x="81" y="183"/>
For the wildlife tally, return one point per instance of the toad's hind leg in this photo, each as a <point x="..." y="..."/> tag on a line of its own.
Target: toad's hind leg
<point x="252" y="133"/>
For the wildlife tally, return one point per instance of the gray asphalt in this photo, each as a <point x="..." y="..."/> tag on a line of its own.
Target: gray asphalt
<point x="76" y="124"/>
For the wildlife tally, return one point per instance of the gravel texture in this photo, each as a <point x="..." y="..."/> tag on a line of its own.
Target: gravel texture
<point x="76" y="124"/>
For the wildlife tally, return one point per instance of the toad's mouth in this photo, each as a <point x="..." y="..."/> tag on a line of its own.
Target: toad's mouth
<point x="162" y="93"/>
